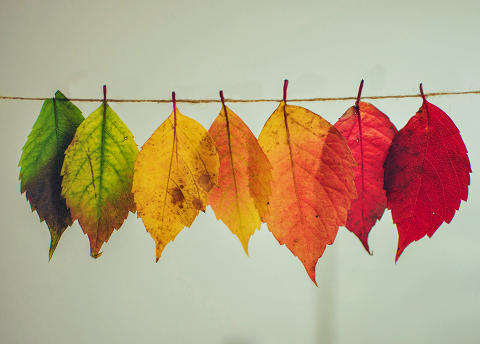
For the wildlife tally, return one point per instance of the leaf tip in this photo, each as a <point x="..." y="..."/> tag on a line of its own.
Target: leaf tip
<point x="95" y="254"/>
<point x="160" y="246"/>
<point x="399" y="252"/>
<point x="365" y="245"/>
<point x="53" y="243"/>
<point x="245" y="247"/>
<point x="310" y="271"/>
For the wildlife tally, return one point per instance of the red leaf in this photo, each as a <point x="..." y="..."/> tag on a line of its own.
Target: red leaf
<point x="427" y="173"/>
<point x="369" y="134"/>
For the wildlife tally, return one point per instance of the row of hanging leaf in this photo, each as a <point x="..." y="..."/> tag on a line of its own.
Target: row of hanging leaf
<point x="303" y="177"/>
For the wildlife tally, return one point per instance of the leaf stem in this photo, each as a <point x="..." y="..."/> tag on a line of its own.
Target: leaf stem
<point x="359" y="93"/>
<point x="174" y="111"/>
<point x="422" y="94"/>
<point x="285" y="86"/>
<point x="223" y="103"/>
<point x="175" y="138"/>
<point x="105" y="93"/>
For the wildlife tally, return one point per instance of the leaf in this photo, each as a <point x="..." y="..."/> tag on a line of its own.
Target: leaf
<point x="97" y="175"/>
<point x="241" y="200"/>
<point x="313" y="181"/>
<point x="369" y="134"/>
<point x="174" y="174"/>
<point x="42" y="160"/>
<point x="427" y="173"/>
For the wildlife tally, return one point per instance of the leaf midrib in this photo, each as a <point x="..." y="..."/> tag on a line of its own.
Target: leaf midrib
<point x="293" y="166"/>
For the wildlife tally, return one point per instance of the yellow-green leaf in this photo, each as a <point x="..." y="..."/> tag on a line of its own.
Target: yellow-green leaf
<point x="97" y="175"/>
<point x="174" y="174"/>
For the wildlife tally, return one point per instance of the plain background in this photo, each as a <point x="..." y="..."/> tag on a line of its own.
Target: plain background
<point x="205" y="289"/>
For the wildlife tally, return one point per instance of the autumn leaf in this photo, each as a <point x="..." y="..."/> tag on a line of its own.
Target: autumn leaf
<point x="369" y="134"/>
<point x="241" y="200"/>
<point x="97" y="175"/>
<point x="427" y="173"/>
<point x="313" y="181"/>
<point x="42" y="160"/>
<point x="174" y="174"/>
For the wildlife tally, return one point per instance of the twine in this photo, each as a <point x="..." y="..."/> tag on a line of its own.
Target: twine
<point x="227" y="100"/>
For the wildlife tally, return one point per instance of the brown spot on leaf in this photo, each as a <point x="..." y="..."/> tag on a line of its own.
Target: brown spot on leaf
<point x="177" y="197"/>
<point x="204" y="182"/>
<point x="197" y="204"/>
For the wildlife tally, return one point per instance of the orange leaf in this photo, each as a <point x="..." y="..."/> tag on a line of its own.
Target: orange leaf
<point x="313" y="181"/>
<point x="369" y="134"/>
<point x="241" y="201"/>
<point x="174" y="174"/>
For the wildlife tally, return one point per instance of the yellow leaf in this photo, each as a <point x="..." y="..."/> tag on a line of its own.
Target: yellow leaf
<point x="174" y="174"/>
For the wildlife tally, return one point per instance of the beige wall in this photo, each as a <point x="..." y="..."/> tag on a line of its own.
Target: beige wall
<point x="205" y="289"/>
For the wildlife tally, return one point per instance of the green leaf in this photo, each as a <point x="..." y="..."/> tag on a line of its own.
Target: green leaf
<point x="97" y="175"/>
<point x="42" y="160"/>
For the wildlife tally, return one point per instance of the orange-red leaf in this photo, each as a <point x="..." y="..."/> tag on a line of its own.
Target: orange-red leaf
<point x="313" y="181"/>
<point x="241" y="200"/>
<point x="369" y="134"/>
<point x="427" y="173"/>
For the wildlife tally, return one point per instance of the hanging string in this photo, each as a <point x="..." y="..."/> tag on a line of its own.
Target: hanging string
<point x="202" y="101"/>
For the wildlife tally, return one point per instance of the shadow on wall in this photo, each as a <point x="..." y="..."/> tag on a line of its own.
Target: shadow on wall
<point x="238" y="340"/>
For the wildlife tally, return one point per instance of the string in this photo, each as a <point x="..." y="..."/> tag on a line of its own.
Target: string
<point x="202" y="101"/>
